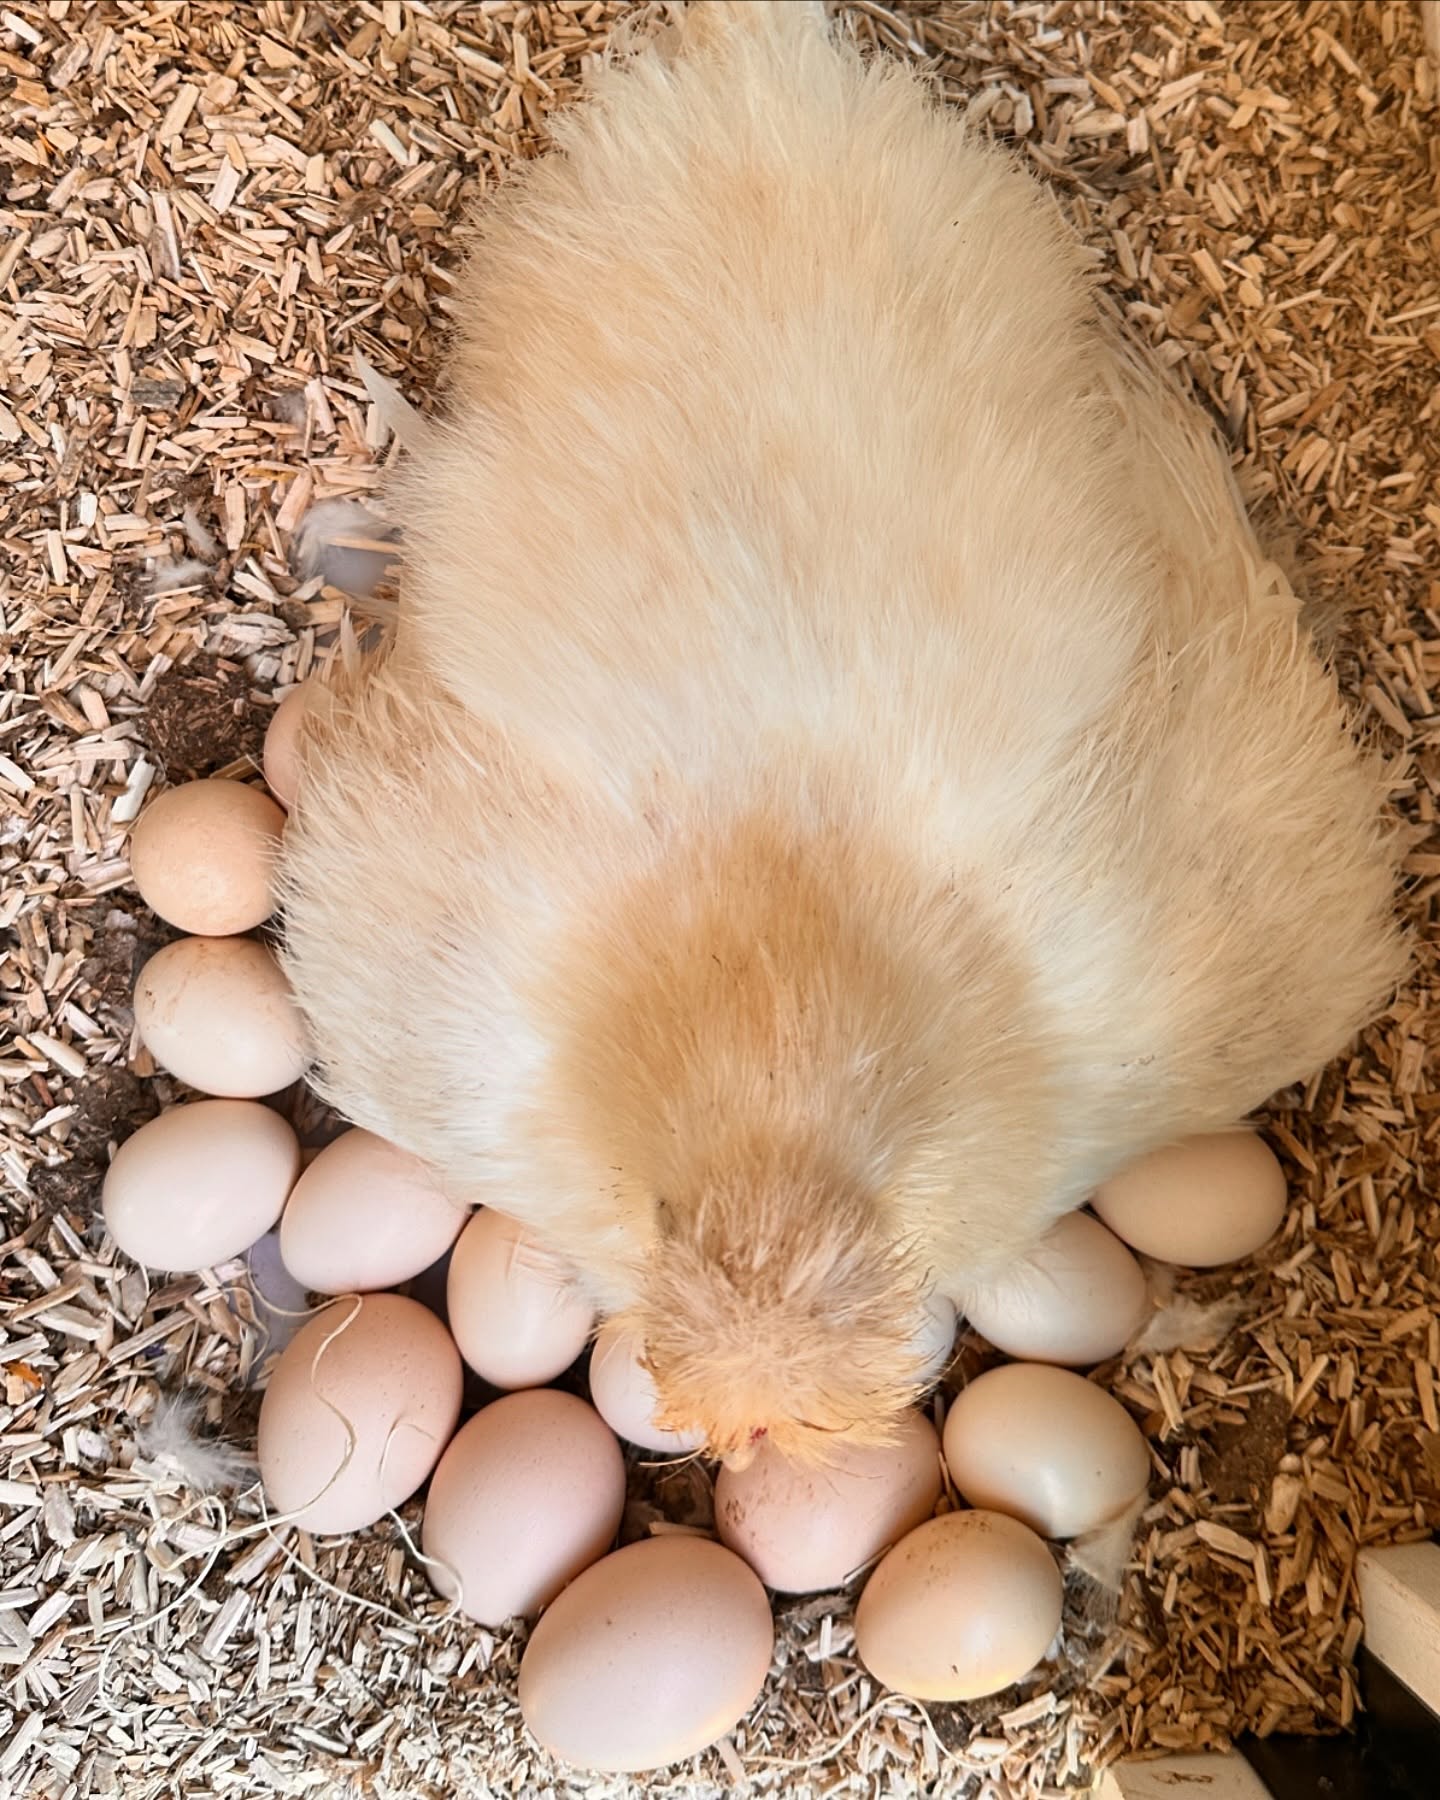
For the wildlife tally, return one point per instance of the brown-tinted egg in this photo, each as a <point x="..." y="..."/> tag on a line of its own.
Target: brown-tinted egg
<point x="203" y="856"/>
<point x="217" y="1013"/>
<point x="962" y="1607"/>
<point x="1045" y="1446"/>
<point x="1206" y="1201"/>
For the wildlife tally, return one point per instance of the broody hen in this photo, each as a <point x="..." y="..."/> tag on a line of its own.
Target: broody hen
<point x="846" y="779"/>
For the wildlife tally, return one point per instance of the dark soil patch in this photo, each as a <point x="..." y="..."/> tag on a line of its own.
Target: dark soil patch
<point x="110" y="1104"/>
<point x="1239" y="1463"/>
<point x="201" y="718"/>
<point x="120" y="951"/>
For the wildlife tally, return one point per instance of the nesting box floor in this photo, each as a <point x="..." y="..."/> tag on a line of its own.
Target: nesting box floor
<point x="205" y="213"/>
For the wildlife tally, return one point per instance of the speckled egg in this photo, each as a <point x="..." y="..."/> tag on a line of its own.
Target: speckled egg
<point x="962" y="1607"/>
<point x="203" y="856"/>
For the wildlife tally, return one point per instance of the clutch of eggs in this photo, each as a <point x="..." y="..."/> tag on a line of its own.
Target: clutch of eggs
<point x="525" y="1500"/>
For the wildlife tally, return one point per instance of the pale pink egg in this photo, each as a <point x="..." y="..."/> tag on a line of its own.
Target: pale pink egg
<point x="359" y="1407"/>
<point x="528" y="1494"/>
<point x="625" y="1397"/>
<point x="200" y="1184"/>
<point x="515" y="1310"/>
<point x="366" y="1215"/>
<point x="281" y="758"/>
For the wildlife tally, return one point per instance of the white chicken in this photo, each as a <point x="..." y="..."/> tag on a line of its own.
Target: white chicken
<point x="846" y="779"/>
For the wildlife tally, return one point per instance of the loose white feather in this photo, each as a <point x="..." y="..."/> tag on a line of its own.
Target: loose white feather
<point x="172" y="1440"/>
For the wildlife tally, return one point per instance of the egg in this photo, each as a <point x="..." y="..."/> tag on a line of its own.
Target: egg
<point x="962" y="1607"/>
<point x="515" y="1310"/>
<point x="217" y="1013"/>
<point x="1206" y="1201"/>
<point x="360" y="1405"/>
<point x="648" y="1657"/>
<point x="281" y="755"/>
<point x="803" y="1529"/>
<point x="934" y="1339"/>
<point x="203" y="856"/>
<point x="365" y="1215"/>
<point x="625" y="1397"/>
<point x="1046" y="1447"/>
<point x="1077" y="1298"/>
<point x="200" y="1184"/>
<point x="529" y="1493"/>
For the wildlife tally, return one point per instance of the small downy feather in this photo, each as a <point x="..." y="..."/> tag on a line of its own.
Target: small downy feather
<point x="1099" y="1559"/>
<point x="1181" y="1322"/>
<point x="171" y="1439"/>
<point x="350" y="546"/>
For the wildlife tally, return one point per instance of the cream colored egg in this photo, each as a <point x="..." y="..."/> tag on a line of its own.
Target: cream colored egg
<point x="200" y="1184"/>
<point x="965" y="1605"/>
<point x="203" y="856"/>
<point x="648" y="1657"/>
<point x="528" y="1494"/>
<point x="1076" y="1299"/>
<point x="365" y="1215"/>
<point x="217" y="1013"/>
<point x="625" y="1398"/>
<point x="360" y="1405"/>
<point x="281" y="757"/>
<point x="803" y="1529"/>
<point x="934" y="1339"/>
<point x="1206" y="1201"/>
<point x="515" y="1310"/>
<point x="1046" y="1447"/>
